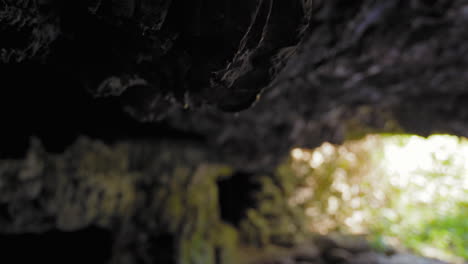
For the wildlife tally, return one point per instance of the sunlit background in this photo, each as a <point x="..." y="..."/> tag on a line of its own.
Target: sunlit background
<point x="402" y="191"/>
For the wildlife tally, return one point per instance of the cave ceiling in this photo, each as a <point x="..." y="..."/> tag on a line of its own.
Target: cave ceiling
<point x="250" y="78"/>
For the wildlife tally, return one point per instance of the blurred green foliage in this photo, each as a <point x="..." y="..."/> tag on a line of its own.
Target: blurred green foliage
<point x="402" y="191"/>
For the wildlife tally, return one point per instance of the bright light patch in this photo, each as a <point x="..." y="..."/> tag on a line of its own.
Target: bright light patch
<point x="297" y="153"/>
<point x="403" y="188"/>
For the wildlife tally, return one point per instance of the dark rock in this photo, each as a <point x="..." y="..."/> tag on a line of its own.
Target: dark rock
<point x="135" y="191"/>
<point x="337" y="255"/>
<point x="307" y="253"/>
<point x="299" y="72"/>
<point x="351" y="243"/>
<point x="367" y="258"/>
<point x="324" y="243"/>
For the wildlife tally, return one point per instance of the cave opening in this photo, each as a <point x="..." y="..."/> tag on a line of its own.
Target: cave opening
<point x="401" y="191"/>
<point x="88" y="245"/>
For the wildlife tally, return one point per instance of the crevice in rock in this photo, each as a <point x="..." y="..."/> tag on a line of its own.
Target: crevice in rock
<point x="236" y="195"/>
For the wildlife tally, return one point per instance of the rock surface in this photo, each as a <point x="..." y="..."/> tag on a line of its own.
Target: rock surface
<point x="339" y="252"/>
<point x="317" y="70"/>
<point x="158" y="201"/>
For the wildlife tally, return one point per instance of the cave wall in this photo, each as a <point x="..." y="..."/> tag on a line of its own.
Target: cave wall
<point x="147" y="202"/>
<point x="158" y="201"/>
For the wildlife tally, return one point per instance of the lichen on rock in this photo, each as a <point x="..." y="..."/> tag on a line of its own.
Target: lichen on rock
<point x="156" y="189"/>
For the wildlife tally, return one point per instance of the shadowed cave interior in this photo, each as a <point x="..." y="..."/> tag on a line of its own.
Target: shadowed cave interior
<point x="88" y="245"/>
<point x="236" y="196"/>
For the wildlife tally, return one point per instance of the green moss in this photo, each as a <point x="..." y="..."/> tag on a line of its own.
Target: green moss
<point x="255" y="229"/>
<point x="173" y="212"/>
<point x="226" y="241"/>
<point x="204" y="236"/>
<point x="169" y="189"/>
<point x="274" y="220"/>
